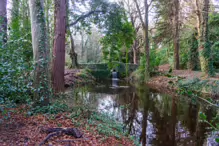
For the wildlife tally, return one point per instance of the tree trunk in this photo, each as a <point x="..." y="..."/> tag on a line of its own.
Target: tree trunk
<point x="3" y="22"/>
<point x="193" y="63"/>
<point x="198" y="17"/>
<point x="176" y="35"/>
<point x="134" y="56"/>
<point x="59" y="46"/>
<point x="15" y="20"/>
<point x="40" y="51"/>
<point x="204" y="46"/>
<point x="73" y="54"/>
<point x="147" y="49"/>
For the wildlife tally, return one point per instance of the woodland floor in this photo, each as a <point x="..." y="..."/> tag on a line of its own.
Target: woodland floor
<point x="161" y="82"/>
<point x="24" y="130"/>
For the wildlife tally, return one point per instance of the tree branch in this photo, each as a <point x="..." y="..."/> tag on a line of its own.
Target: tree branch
<point x="150" y="3"/>
<point x="139" y="13"/>
<point x="84" y="16"/>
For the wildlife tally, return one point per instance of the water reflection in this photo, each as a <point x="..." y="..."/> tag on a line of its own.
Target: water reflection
<point x="155" y="119"/>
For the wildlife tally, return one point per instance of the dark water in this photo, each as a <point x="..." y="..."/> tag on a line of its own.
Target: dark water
<point x="155" y="119"/>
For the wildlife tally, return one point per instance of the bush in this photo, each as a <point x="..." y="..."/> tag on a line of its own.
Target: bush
<point x="15" y="73"/>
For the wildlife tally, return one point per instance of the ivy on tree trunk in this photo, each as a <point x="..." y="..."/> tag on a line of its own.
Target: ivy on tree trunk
<point x="40" y="52"/>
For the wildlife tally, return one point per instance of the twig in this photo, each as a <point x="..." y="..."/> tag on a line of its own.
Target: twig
<point x="208" y="102"/>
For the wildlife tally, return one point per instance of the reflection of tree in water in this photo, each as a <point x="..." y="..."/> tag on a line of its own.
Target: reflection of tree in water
<point x="203" y="128"/>
<point x="130" y="113"/>
<point x="156" y="119"/>
<point x="146" y="103"/>
<point x="174" y="121"/>
<point x="161" y="120"/>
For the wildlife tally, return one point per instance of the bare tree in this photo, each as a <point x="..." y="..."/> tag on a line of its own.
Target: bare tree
<point x="144" y="24"/>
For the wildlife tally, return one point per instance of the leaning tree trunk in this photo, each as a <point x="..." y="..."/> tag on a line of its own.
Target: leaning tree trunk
<point x="176" y="35"/>
<point x="40" y="52"/>
<point x="59" y="46"/>
<point x="147" y="49"/>
<point x="3" y="22"/>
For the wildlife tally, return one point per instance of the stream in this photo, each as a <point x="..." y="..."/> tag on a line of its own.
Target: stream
<point x="155" y="119"/>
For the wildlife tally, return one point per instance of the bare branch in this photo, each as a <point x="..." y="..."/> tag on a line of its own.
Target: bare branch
<point x="139" y="13"/>
<point x="84" y="16"/>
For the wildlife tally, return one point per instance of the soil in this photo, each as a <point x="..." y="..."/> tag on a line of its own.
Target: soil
<point x="21" y="130"/>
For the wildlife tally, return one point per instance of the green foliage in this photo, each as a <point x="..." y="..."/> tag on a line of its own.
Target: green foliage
<point x="4" y="105"/>
<point x="54" y="108"/>
<point x="119" y="36"/>
<point x="158" y="57"/>
<point x="193" y="61"/>
<point x="16" y="57"/>
<point x="105" y="124"/>
<point x="139" y="73"/>
<point x="213" y="123"/>
<point x="214" y="37"/>
<point x="15" y="74"/>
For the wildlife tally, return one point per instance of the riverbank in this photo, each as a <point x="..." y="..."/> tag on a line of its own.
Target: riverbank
<point x="74" y="77"/>
<point x="17" y="127"/>
<point x="178" y="80"/>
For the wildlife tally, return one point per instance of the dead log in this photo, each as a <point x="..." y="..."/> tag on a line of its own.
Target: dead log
<point x="59" y="131"/>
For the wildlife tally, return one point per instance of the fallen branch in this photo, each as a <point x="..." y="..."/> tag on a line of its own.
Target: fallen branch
<point x="50" y="136"/>
<point x="73" y="140"/>
<point x="59" y="131"/>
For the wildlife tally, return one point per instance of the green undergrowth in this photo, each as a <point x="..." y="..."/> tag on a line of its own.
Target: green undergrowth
<point x="4" y="112"/>
<point x="208" y="87"/>
<point x="83" y="116"/>
<point x="54" y="108"/>
<point x="102" y="123"/>
<point x="85" y="75"/>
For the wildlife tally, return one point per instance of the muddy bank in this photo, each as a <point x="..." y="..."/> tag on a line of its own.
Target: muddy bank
<point x="185" y="81"/>
<point x="74" y="77"/>
<point x="168" y="80"/>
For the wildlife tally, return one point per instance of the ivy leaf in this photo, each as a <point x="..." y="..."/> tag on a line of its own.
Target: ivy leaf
<point x="203" y="116"/>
